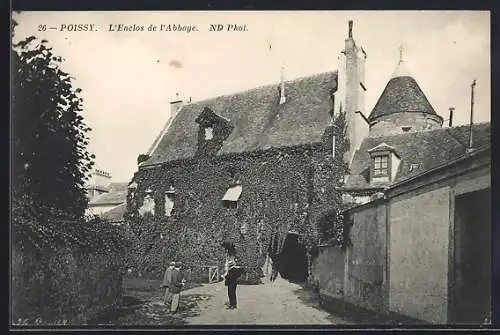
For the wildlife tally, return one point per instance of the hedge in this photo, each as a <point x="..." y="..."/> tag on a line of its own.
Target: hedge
<point x="64" y="269"/>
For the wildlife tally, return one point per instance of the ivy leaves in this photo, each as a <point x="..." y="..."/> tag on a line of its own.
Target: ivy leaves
<point x="283" y="188"/>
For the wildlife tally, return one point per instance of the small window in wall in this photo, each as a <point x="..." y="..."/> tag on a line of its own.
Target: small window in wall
<point x="381" y="166"/>
<point x="169" y="201"/>
<point x="169" y="204"/>
<point x="148" y="204"/>
<point x="230" y="199"/>
<point x="209" y="133"/>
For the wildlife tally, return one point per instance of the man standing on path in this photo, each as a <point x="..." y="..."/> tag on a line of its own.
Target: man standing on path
<point x="177" y="282"/>
<point x="232" y="276"/>
<point x="167" y="280"/>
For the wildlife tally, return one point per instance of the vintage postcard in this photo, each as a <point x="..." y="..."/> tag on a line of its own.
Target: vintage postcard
<point x="292" y="168"/>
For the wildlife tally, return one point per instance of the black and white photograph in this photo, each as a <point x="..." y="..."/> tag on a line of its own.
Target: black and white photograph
<point x="175" y="169"/>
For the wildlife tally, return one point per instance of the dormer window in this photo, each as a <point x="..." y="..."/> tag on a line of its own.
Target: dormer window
<point x="209" y="133"/>
<point x="385" y="163"/>
<point x="213" y="130"/>
<point x="381" y="166"/>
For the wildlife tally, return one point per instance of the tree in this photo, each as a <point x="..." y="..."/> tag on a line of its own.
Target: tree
<point x="59" y="255"/>
<point x="50" y="161"/>
<point x="331" y="223"/>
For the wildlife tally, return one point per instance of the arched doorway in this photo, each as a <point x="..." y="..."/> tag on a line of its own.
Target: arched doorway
<point x="292" y="260"/>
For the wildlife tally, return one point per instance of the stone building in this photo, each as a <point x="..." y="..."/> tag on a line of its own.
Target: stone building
<point x="105" y="196"/>
<point x="419" y="215"/>
<point x="98" y="183"/>
<point x="246" y="167"/>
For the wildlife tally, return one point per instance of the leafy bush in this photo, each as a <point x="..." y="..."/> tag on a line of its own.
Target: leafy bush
<point x="64" y="273"/>
<point x="64" y="267"/>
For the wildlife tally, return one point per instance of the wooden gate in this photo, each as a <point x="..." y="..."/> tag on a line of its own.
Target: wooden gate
<point x="213" y="274"/>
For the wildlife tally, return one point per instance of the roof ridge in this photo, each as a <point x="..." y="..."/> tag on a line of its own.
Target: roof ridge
<point x="431" y="130"/>
<point x="245" y="91"/>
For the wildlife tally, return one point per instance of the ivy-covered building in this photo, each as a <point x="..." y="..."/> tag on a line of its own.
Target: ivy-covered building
<point x="247" y="168"/>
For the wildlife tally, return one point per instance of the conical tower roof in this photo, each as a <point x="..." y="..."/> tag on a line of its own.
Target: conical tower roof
<point x="401" y="94"/>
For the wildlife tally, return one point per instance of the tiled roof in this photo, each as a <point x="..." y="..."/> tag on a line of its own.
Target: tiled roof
<point x="402" y="94"/>
<point x="117" y="195"/>
<point x="116" y="214"/>
<point x="259" y="121"/>
<point x="419" y="151"/>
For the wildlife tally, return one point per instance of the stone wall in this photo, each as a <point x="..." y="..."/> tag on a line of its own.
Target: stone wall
<point x="419" y="239"/>
<point x="366" y="285"/>
<point x="328" y="271"/>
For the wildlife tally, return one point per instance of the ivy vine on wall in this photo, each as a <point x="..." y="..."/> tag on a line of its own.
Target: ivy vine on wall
<point x="283" y="189"/>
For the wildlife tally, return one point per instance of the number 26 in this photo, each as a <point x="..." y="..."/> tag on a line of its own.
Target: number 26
<point x="42" y="27"/>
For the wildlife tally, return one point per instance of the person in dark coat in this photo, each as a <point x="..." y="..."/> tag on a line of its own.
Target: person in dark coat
<point x="231" y="279"/>
<point x="177" y="282"/>
<point x="167" y="279"/>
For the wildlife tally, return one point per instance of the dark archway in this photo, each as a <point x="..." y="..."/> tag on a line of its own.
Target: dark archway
<point x="292" y="260"/>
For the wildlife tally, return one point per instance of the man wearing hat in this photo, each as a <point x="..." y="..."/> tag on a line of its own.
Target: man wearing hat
<point x="233" y="272"/>
<point x="176" y="285"/>
<point x="167" y="280"/>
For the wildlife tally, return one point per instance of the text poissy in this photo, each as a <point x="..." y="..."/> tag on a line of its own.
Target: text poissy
<point x="77" y="27"/>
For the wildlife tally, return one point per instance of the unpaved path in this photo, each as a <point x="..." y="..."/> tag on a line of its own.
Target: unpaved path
<point x="277" y="303"/>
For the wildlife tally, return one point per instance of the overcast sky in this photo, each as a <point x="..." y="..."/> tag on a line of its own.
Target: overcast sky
<point x="129" y="78"/>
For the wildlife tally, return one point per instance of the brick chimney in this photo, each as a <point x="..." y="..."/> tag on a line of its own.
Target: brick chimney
<point x="175" y="105"/>
<point x="350" y="95"/>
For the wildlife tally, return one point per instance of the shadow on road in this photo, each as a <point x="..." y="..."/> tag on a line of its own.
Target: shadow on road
<point x="350" y="314"/>
<point x="142" y="305"/>
<point x="310" y="298"/>
<point x="138" y="312"/>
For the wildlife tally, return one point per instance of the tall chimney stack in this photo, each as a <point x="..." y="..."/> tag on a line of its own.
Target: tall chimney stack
<point x="351" y="92"/>
<point x="450" y="121"/>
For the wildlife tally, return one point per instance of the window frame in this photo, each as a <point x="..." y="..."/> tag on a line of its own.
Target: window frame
<point x="379" y="170"/>
<point x="170" y="196"/>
